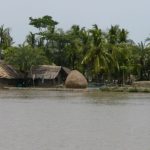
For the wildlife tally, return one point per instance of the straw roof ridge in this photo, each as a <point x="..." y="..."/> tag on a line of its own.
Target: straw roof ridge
<point x="7" y="71"/>
<point x="45" y="71"/>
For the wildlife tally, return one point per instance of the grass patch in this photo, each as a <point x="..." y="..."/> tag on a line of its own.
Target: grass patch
<point x="146" y="90"/>
<point x="113" y="89"/>
<point x="133" y="89"/>
<point x="126" y="89"/>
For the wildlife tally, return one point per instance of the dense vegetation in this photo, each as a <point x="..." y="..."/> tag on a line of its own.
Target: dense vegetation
<point x="99" y="55"/>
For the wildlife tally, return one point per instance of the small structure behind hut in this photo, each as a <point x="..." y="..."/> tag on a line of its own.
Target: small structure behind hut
<point x="48" y="75"/>
<point x="8" y="75"/>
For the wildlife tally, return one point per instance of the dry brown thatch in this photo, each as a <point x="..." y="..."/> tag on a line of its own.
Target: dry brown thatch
<point x="46" y="71"/>
<point x="76" y="80"/>
<point x="8" y="72"/>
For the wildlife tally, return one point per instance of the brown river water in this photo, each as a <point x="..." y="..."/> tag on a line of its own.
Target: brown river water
<point x="59" y="120"/>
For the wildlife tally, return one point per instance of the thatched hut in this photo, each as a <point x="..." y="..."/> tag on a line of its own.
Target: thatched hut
<point x="48" y="75"/>
<point x="76" y="80"/>
<point x="8" y="75"/>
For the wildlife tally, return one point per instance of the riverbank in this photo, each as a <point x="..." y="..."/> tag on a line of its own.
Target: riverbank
<point x="44" y="89"/>
<point x="126" y="89"/>
<point x="138" y="86"/>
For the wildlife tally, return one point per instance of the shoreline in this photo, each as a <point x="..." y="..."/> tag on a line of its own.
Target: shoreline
<point x="129" y="89"/>
<point x="134" y="89"/>
<point x="43" y="89"/>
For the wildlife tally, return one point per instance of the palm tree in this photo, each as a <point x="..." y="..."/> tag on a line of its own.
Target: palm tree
<point x="113" y="35"/>
<point x="118" y="47"/>
<point x="121" y="58"/>
<point x="85" y="45"/>
<point x="143" y="60"/>
<point x="31" y="39"/>
<point x="123" y="36"/>
<point x="97" y="56"/>
<point x="74" y="47"/>
<point x="5" y="39"/>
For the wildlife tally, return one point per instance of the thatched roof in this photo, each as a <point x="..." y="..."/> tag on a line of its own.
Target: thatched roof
<point x="67" y="70"/>
<point x="46" y="71"/>
<point x="7" y="72"/>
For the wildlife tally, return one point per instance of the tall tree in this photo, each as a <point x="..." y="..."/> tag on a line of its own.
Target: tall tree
<point x="118" y="47"/>
<point x="31" y="39"/>
<point x="24" y="57"/>
<point x="5" y="39"/>
<point x="73" y="47"/>
<point x="44" y="23"/>
<point x="97" y="56"/>
<point x="47" y="34"/>
<point x="143" y="60"/>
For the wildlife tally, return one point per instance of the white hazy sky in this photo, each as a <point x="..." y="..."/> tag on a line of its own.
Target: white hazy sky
<point x="132" y="15"/>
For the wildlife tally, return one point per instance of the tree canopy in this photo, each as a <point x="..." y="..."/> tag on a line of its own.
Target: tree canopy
<point x="98" y="54"/>
<point x="24" y="57"/>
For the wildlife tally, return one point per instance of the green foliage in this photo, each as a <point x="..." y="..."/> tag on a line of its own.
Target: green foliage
<point x="46" y="38"/>
<point x="141" y="60"/>
<point x="31" y="39"/>
<point x="133" y="89"/>
<point x="24" y="57"/>
<point x="97" y="54"/>
<point x="73" y="48"/>
<point x="45" y="22"/>
<point x="5" y="39"/>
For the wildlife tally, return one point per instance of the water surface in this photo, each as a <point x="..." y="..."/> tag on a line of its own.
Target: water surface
<point x="59" y="120"/>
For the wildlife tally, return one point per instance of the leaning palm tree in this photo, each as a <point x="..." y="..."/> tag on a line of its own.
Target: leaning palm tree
<point x="97" y="56"/>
